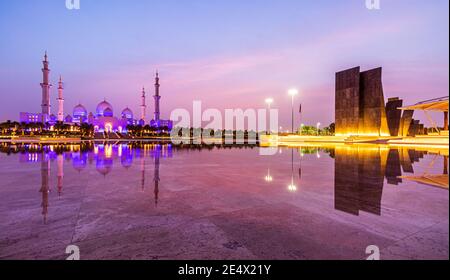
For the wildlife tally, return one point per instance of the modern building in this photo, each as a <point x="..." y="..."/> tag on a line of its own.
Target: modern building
<point x="103" y="120"/>
<point x="432" y="105"/>
<point x="27" y="117"/>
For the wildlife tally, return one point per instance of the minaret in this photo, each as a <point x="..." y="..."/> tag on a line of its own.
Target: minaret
<point x="60" y="100"/>
<point x="157" y="98"/>
<point x="45" y="85"/>
<point x="143" y="105"/>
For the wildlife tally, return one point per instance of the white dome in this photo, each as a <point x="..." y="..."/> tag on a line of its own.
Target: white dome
<point x="127" y="113"/>
<point x="104" y="109"/>
<point x="79" y="111"/>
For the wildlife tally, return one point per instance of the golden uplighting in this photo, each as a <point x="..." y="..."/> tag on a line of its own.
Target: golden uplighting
<point x="108" y="151"/>
<point x="357" y="134"/>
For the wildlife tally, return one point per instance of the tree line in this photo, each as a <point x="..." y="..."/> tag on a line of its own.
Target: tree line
<point x="14" y="128"/>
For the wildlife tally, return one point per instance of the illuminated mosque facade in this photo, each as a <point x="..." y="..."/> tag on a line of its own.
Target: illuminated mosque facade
<point x="103" y="120"/>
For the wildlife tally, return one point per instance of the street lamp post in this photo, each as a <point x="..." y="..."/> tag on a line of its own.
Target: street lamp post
<point x="293" y="93"/>
<point x="269" y="102"/>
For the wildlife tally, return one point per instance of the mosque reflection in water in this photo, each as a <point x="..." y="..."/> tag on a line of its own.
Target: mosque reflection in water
<point x="102" y="155"/>
<point x="359" y="171"/>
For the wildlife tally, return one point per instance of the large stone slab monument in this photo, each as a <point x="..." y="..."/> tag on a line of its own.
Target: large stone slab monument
<point x="360" y="107"/>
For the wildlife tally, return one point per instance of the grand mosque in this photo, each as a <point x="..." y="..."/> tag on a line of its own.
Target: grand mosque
<point x="103" y="119"/>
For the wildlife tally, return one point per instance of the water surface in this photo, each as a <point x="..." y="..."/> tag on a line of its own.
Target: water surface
<point x="159" y="201"/>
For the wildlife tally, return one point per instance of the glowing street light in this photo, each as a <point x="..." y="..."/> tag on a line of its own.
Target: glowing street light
<point x="269" y="101"/>
<point x="293" y="92"/>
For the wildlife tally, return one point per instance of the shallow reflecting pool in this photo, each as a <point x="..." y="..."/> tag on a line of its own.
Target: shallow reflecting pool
<point x="160" y="201"/>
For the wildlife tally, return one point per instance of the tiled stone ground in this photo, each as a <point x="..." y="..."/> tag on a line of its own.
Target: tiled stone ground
<point x="213" y="205"/>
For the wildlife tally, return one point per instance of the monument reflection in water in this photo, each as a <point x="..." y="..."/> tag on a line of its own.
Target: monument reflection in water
<point x="359" y="171"/>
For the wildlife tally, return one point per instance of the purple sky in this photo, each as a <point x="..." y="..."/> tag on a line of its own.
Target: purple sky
<point x="228" y="54"/>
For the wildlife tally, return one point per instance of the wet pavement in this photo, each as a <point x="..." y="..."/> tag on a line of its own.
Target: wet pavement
<point x="159" y="201"/>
